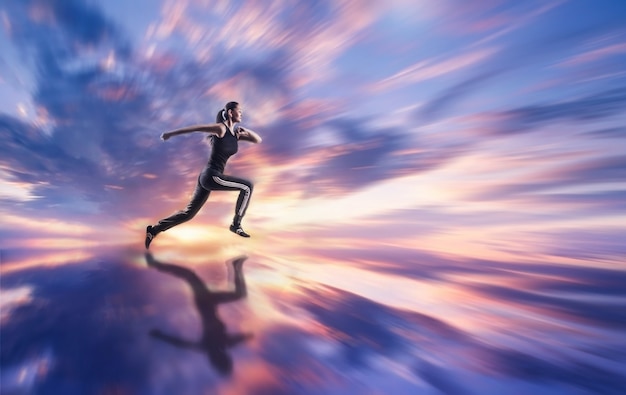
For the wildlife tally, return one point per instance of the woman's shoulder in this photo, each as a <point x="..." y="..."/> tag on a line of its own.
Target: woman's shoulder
<point x="222" y="129"/>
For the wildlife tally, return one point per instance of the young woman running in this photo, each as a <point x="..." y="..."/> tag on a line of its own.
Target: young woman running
<point x="225" y="139"/>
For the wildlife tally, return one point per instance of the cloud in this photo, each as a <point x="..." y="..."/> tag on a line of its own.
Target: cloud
<point x="30" y="156"/>
<point x="442" y="103"/>
<point x="362" y="154"/>
<point x="102" y="153"/>
<point x="609" y="133"/>
<point x="81" y="22"/>
<point x="608" y="202"/>
<point x="62" y="28"/>
<point x="597" y="106"/>
<point x="520" y="22"/>
<point x="314" y="34"/>
<point x="542" y="193"/>
<point x="595" y="55"/>
<point x="594" y="170"/>
<point x="432" y="68"/>
<point x="524" y="55"/>
<point x="363" y="157"/>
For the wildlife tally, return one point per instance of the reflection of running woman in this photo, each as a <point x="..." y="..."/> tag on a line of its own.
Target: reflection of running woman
<point x="215" y="340"/>
<point x="225" y="144"/>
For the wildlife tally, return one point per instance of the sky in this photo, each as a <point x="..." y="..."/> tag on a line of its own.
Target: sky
<point x="453" y="170"/>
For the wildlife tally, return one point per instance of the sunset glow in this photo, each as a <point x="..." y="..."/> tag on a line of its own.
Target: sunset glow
<point x="439" y="201"/>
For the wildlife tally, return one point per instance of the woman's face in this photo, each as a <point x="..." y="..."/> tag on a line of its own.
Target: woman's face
<point x="236" y="113"/>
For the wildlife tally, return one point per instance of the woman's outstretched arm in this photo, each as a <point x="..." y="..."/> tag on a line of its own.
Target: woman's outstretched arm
<point x="213" y="128"/>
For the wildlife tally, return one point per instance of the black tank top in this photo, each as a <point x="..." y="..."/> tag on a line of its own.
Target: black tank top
<point x="223" y="148"/>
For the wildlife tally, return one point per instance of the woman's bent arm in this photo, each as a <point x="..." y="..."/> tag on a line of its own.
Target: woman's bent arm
<point x="248" y="135"/>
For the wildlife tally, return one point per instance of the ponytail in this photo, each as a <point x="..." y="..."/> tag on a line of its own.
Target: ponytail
<point x="222" y="115"/>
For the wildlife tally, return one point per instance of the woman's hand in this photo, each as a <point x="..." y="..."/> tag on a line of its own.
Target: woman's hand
<point x="165" y="136"/>
<point x="247" y="135"/>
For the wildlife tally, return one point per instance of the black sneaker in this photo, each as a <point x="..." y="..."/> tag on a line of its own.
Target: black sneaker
<point x="149" y="236"/>
<point x="238" y="230"/>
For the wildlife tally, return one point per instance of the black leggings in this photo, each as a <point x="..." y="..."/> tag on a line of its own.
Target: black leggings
<point x="210" y="180"/>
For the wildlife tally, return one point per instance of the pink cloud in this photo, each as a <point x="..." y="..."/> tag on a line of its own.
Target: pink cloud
<point x="488" y="24"/>
<point x="432" y="68"/>
<point x="519" y="22"/>
<point x="595" y="55"/>
<point x="312" y="45"/>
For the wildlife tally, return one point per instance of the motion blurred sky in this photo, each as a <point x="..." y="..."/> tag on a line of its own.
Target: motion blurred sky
<point x="496" y="126"/>
<point x="404" y="140"/>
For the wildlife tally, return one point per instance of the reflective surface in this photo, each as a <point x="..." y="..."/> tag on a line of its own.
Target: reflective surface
<point x="183" y="322"/>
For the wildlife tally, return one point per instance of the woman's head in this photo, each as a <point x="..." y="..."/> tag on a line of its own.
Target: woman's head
<point x="231" y="111"/>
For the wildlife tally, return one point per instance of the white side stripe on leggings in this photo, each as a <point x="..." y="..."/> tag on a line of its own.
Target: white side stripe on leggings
<point x="237" y="185"/>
